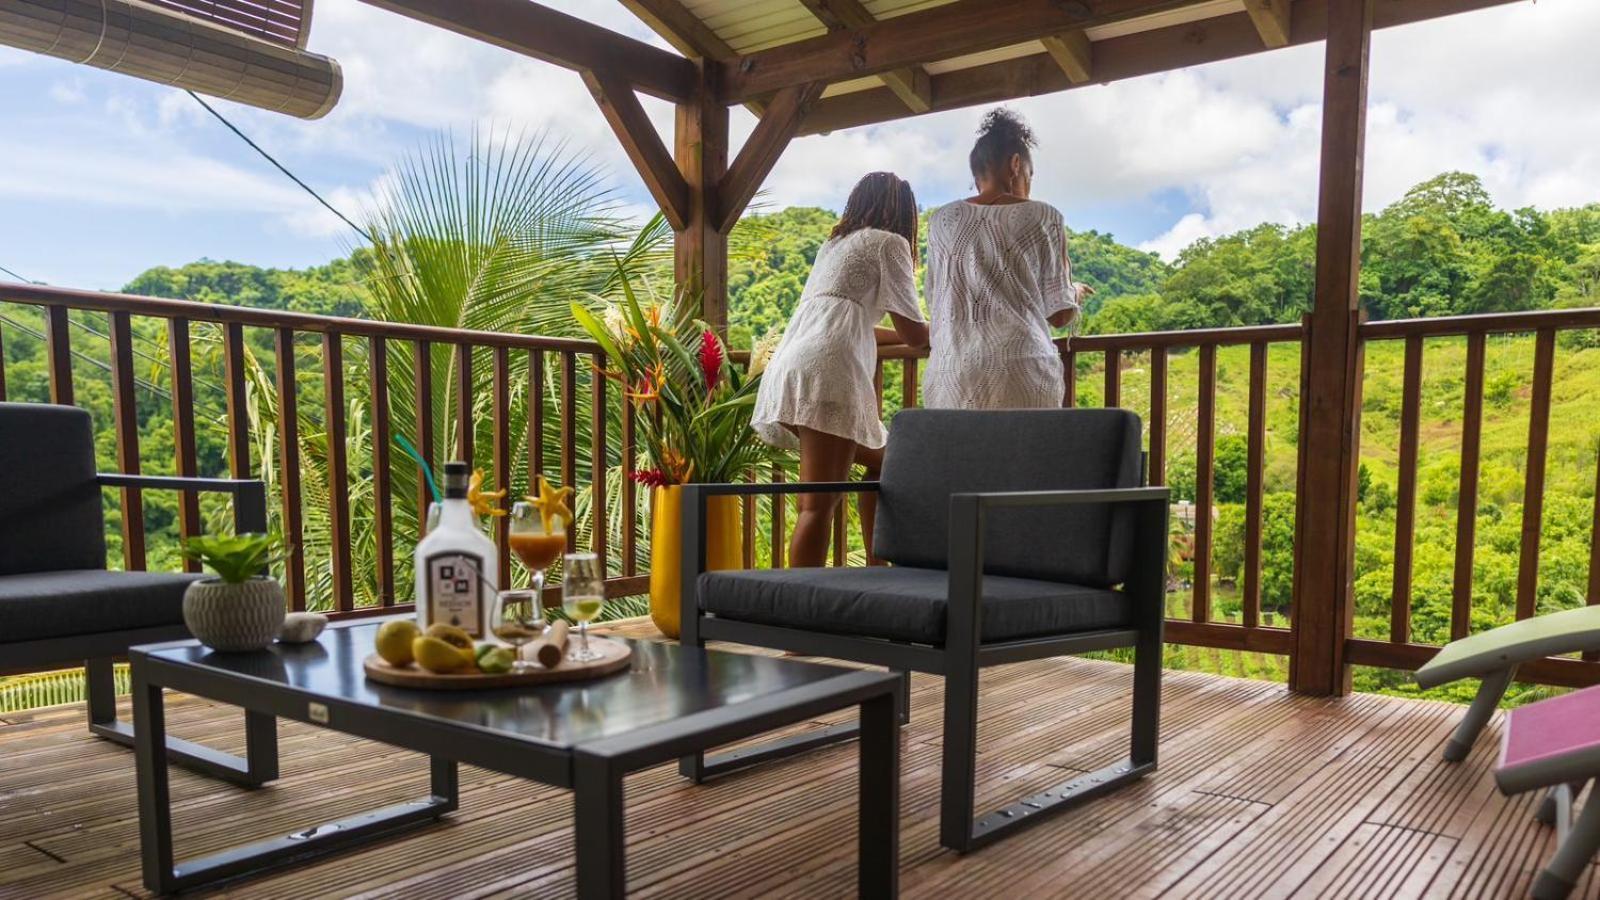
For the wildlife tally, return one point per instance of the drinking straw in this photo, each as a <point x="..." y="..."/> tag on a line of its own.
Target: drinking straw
<point x="426" y="472"/>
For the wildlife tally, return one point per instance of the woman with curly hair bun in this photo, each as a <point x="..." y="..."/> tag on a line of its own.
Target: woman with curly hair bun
<point x="817" y="392"/>
<point x="998" y="279"/>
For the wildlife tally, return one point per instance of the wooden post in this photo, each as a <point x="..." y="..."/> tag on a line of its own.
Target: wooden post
<point x="1324" y="515"/>
<point x="701" y="150"/>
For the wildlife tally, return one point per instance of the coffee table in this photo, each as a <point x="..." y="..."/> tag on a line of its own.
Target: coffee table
<point x="674" y="701"/>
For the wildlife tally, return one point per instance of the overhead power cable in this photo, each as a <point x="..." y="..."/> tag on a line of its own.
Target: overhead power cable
<point x="280" y="166"/>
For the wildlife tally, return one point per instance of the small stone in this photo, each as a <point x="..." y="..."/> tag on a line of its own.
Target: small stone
<point x="302" y="627"/>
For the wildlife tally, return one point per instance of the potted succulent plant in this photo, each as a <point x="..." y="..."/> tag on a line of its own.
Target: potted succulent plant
<point x="241" y="608"/>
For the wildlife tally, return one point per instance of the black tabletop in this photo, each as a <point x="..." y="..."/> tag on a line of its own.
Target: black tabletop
<point x="665" y="682"/>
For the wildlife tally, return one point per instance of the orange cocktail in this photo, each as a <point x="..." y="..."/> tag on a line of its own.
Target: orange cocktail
<point x="538" y="550"/>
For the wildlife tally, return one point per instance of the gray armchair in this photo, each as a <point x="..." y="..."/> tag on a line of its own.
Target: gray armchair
<point x="1013" y="535"/>
<point x="59" y="606"/>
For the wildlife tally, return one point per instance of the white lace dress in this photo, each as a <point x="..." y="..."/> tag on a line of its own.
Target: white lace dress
<point x="820" y="376"/>
<point x="995" y="274"/>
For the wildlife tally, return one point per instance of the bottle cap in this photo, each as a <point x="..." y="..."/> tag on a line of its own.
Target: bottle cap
<point x="456" y="478"/>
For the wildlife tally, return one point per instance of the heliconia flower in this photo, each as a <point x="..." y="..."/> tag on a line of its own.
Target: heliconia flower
<point x="649" y="477"/>
<point x="649" y="387"/>
<point x="711" y="358"/>
<point x="761" y="354"/>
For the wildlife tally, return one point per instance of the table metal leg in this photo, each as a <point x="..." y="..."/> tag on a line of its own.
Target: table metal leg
<point x="601" y="839"/>
<point x="150" y="761"/>
<point x="879" y="832"/>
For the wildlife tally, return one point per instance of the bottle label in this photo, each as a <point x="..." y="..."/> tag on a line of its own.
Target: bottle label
<point x="455" y="591"/>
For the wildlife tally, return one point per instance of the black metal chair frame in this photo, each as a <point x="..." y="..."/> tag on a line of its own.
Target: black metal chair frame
<point x="963" y="654"/>
<point x="98" y="651"/>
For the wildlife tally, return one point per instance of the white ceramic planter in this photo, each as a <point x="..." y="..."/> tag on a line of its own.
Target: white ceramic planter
<point x="234" y="617"/>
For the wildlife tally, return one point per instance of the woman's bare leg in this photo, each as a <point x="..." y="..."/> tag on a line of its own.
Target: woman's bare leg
<point x="867" y="502"/>
<point x="823" y="457"/>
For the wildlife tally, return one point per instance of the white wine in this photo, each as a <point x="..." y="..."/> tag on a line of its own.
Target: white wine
<point x="583" y="608"/>
<point x="456" y="563"/>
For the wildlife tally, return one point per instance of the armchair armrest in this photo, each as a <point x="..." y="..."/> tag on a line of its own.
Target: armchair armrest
<point x="1146" y="582"/>
<point x="249" y="494"/>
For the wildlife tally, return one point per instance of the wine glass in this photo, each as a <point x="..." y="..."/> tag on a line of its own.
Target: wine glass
<point x="530" y="542"/>
<point x="583" y="594"/>
<point x="518" y="620"/>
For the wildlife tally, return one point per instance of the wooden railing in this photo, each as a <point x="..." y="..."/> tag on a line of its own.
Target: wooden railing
<point x="440" y="371"/>
<point x="424" y="382"/>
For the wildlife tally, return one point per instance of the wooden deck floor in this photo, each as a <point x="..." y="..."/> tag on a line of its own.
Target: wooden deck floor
<point x="1260" y="794"/>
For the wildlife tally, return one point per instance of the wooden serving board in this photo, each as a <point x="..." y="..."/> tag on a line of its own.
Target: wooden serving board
<point x="614" y="657"/>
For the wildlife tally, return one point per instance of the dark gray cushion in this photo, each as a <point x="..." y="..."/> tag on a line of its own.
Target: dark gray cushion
<point x="904" y="604"/>
<point x="935" y="453"/>
<point x="49" y="502"/>
<point x="41" y="605"/>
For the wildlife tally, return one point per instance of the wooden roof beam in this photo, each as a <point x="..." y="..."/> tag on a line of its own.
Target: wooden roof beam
<point x="942" y="32"/>
<point x="911" y="84"/>
<point x="761" y="151"/>
<point x="645" y="149"/>
<point x="687" y="34"/>
<point x="1073" y="52"/>
<point x="555" y="37"/>
<point x="1272" y="20"/>
<point x="1115" y="59"/>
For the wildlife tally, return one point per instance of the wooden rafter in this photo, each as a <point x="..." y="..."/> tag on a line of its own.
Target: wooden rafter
<point x="761" y="151"/>
<point x="555" y="37"/>
<point x="1272" y="20"/>
<point x="911" y="84"/>
<point x="1115" y="59"/>
<point x="1073" y="52"/>
<point x="626" y="116"/>
<point x="942" y="32"/>
<point x="681" y="28"/>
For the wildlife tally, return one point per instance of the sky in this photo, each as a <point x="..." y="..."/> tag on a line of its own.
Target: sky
<point x="103" y="176"/>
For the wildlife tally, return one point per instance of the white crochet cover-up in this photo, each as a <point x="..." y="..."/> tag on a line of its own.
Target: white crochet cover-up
<point x="820" y="376"/>
<point x="995" y="275"/>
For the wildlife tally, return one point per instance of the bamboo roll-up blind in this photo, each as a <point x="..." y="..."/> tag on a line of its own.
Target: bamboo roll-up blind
<point x="152" y="42"/>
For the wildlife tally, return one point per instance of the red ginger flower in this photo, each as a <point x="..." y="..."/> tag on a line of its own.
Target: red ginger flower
<point x="711" y="359"/>
<point x="649" y="477"/>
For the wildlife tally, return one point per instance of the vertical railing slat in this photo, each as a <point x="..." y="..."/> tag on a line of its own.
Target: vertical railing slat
<point x="58" y="344"/>
<point x="1255" y="456"/>
<point x="422" y="390"/>
<point x="1405" y="512"/>
<point x="1544" y="353"/>
<point x="1113" y="392"/>
<point x="1205" y="452"/>
<point x="382" y="487"/>
<point x="748" y="520"/>
<point x="630" y="488"/>
<point x="598" y="464"/>
<point x="569" y="430"/>
<point x="1158" y="416"/>
<point x="294" y="566"/>
<point x="1467" y="502"/>
<point x="338" y="469"/>
<point x="464" y="423"/>
<point x="2" y="364"/>
<point x="502" y="461"/>
<point x="841" y="536"/>
<point x="186" y="457"/>
<point x="780" y="508"/>
<point x="535" y="418"/>
<point x="1069" y="374"/>
<point x="125" y="410"/>
<point x="908" y="383"/>
<point x="238" y="409"/>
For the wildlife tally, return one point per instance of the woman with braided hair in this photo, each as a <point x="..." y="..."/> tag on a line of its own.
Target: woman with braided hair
<point x="998" y="280"/>
<point x="817" y="392"/>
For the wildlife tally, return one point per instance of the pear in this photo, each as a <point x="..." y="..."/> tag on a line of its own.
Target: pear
<point x="394" y="641"/>
<point x="440" y="657"/>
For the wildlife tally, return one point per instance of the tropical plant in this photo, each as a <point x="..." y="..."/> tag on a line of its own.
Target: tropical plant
<point x="235" y="558"/>
<point x="692" y="405"/>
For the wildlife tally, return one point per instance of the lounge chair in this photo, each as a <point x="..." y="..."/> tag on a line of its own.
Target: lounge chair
<point x="1013" y="535"/>
<point x="1555" y="744"/>
<point x="1494" y="655"/>
<point x="59" y="606"/>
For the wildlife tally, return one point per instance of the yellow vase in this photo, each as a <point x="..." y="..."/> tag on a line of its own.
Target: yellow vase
<point x="724" y="549"/>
